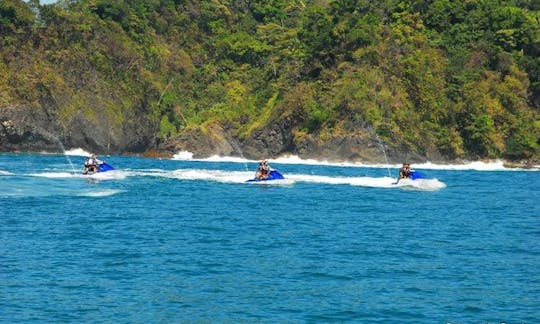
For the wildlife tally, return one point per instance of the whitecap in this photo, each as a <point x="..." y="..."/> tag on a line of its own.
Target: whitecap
<point x="188" y="156"/>
<point x="421" y="184"/>
<point x="183" y="155"/>
<point x="109" y="175"/>
<point x="144" y="172"/>
<point x="53" y="175"/>
<point x="211" y="175"/>
<point x="322" y="179"/>
<point x="496" y="165"/>
<point x="100" y="193"/>
<point x="217" y="158"/>
<point x="77" y="152"/>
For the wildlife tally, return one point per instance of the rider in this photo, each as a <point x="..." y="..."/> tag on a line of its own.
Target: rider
<point x="405" y="171"/>
<point x="263" y="170"/>
<point x="91" y="164"/>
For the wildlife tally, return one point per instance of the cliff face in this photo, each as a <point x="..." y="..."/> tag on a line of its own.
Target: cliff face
<point x="26" y="129"/>
<point x="35" y="129"/>
<point x="282" y="137"/>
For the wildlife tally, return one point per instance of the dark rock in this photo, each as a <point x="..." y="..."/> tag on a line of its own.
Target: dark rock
<point x="522" y="164"/>
<point x="274" y="139"/>
<point x="25" y="128"/>
<point x="203" y="142"/>
<point x="282" y="138"/>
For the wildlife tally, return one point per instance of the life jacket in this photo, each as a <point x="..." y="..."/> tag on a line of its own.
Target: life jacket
<point x="404" y="173"/>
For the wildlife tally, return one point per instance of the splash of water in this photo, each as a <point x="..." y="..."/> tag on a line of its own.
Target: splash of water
<point x="383" y="150"/>
<point x="239" y="149"/>
<point x="57" y="140"/>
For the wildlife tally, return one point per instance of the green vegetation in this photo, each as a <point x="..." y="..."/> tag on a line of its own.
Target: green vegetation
<point x="458" y="77"/>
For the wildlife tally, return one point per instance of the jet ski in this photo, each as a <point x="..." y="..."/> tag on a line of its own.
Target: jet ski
<point x="273" y="175"/>
<point x="413" y="175"/>
<point x="102" y="167"/>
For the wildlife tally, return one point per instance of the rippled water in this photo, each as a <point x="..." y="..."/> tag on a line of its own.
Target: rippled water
<point x="164" y="240"/>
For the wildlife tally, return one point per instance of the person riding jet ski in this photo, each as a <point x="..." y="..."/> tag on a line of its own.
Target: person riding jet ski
<point x="263" y="170"/>
<point x="91" y="165"/>
<point x="405" y="171"/>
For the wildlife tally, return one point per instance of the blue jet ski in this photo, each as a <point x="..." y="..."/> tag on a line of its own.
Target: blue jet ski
<point x="273" y="175"/>
<point x="102" y="167"/>
<point x="413" y="175"/>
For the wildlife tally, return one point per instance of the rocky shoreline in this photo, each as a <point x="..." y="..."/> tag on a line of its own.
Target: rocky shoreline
<point x="36" y="130"/>
<point x="163" y="154"/>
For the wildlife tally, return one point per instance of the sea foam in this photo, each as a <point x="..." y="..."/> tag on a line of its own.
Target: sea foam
<point x="77" y="152"/>
<point x="53" y="175"/>
<point x="496" y="165"/>
<point x="226" y="176"/>
<point x="109" y="175"/>
<point x="100" y="193"/>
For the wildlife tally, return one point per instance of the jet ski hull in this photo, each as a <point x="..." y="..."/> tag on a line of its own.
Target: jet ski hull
<point x="273" y="175"/>
<point x="103" y="167"/>
<point x="413" y="175"/>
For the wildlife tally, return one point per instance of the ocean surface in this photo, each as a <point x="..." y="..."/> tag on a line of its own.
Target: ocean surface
<point x="186" y="240"/>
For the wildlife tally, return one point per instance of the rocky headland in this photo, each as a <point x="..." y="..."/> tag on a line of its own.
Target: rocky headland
<point x="389" y="83"/>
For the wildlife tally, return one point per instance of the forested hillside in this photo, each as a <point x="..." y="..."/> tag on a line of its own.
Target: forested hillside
<point x="431" y="79"/>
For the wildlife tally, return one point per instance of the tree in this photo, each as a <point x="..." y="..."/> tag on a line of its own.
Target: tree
<point x="15" y="15"/>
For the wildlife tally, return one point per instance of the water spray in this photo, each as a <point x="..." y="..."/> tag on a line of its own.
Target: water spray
<point x="237" y="147"/>
<point x="57" y="140"/>
<point x="384" y="153"/>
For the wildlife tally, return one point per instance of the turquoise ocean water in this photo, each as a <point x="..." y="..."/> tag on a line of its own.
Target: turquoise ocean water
<point x="191" y="241"/>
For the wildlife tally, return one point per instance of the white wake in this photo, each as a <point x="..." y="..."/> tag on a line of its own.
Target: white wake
<point x="225" y="176"/>
<point x="100" y="193"/>
<point x="109" y="175"/>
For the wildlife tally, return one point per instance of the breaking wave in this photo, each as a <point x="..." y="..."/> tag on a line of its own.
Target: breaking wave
<point x="496" y="165"/>
<point x="77" y="152"/>
<point x="100" y="193"/>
